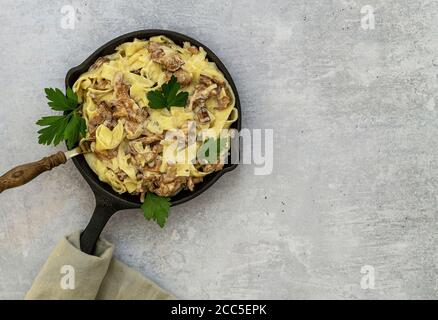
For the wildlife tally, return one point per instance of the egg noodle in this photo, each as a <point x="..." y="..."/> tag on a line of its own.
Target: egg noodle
<point x="138" y="149"/>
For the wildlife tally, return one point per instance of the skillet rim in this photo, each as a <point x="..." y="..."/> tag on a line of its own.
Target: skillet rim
<point x="104" y="190"/>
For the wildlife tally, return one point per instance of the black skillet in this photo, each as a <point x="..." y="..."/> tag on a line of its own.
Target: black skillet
<point x="108" y="202"/>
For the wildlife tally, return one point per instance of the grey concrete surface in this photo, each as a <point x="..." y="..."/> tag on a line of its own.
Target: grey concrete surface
<point x="355" y="157"/>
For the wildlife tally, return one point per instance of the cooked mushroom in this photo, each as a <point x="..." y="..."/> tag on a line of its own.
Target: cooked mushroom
<point x="103" y="113"/>
<point x="203" y="115"/>
<point x="99" y="62"/>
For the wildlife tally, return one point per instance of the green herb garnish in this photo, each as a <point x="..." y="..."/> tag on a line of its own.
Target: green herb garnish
<point x="69" y="127"/>
<point x="156" y="208"/>
<point x="168" y="96"/>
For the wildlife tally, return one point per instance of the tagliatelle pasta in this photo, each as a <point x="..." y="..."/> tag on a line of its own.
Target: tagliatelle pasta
<point x="130" y="144"/>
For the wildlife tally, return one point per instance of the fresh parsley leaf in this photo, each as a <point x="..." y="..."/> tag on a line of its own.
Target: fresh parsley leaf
<point x="168" y="96"/>
<point x="156" y="208"/>
<point x="217" y="146"/>
<point x="170" y="91"/>
<point x="45" y="121"/>
<point x="72" y="98"/>
<point x="74" y="130"/>
<point x="69" y="127"/>
<point x="180" y="100"/>
<point x="60" y="102"/>
<point x="156" y="99"/>
<point x="53" y="132"/>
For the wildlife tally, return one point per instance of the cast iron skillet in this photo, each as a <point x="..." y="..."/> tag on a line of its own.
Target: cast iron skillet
<point x="108" y="201"/>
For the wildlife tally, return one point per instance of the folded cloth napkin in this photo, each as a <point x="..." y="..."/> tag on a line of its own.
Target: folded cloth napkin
<point x="71" y="274"/>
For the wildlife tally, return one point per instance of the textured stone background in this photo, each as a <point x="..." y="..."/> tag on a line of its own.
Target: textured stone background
<point x="355" y="172"/>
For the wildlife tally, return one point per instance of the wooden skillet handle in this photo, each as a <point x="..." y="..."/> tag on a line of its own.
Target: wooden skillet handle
<point x="26" y="172"/>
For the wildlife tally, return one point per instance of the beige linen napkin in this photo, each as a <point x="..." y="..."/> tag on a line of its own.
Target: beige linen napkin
<point x="71" y="274"/>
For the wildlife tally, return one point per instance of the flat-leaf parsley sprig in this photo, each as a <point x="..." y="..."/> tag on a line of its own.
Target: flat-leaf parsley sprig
<point x="156" y="208"/>
<point x="70" y="126"/>
<point x="168" y="96"/>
